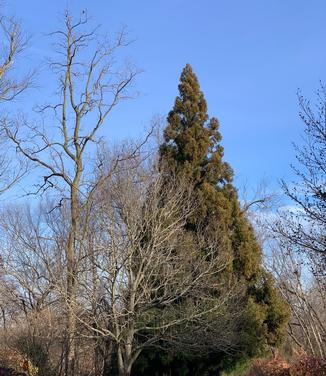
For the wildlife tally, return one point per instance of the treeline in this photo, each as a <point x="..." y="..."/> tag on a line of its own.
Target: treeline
<point x="140" y="259"/>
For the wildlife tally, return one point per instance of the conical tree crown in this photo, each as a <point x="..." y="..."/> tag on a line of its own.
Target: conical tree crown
<point x="191" y="138"/>
<point x="192" y="149"/>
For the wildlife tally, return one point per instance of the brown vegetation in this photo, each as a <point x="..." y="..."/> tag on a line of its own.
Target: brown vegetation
<point x="278" y="366"/>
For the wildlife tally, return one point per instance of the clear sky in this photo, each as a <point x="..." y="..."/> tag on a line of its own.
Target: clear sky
<point x="250" y="57"/>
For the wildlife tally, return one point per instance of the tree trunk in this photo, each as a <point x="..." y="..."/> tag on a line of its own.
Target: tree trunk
<point x="71" y="286"/>
<point x="123" y="362"/>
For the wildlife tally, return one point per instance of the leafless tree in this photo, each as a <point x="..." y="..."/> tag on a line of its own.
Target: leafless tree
<point x="13" y="43"/>
<point x="151" y="278"/>
<point x="90" y="86"/>
<point x="32" y="271"/>
<point x="297" y="233"/>
<point x="304" y="291"/>
<point x="304" y="226"/>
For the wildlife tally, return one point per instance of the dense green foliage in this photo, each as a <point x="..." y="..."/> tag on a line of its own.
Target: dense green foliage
<point x="192" y="150"/>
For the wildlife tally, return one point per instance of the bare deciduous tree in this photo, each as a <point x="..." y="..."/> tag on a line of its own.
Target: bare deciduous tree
<point x="32" y="271"/>
<point x="298" y="233"/>
<point x="90" y="86"/>
<point x="13" y="43"/>
<point x="304" y="227"/>
<point x="305" y="294"/>
<point x="152" y="278"/>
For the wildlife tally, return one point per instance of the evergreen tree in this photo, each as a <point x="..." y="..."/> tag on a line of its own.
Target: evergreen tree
<point x="192" y="150"/>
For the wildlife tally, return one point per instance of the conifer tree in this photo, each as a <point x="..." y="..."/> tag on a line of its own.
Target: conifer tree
<point x="192" y="150"/>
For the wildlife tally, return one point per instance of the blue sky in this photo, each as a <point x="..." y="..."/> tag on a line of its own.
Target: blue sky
<point x="250" y="57"/>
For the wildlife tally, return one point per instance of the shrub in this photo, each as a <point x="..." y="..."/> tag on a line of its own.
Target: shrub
<point x="278" y="366"/>
<point x="13" y="359"/>
<point x="309" y="366"/>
